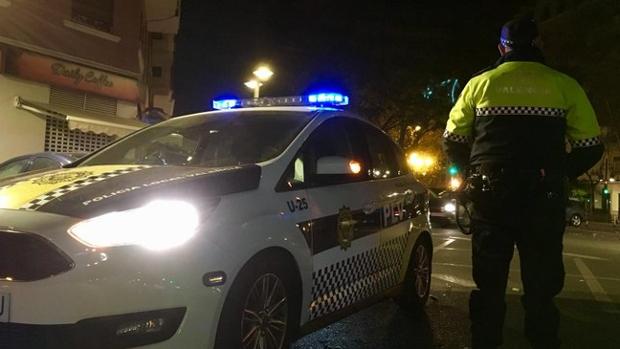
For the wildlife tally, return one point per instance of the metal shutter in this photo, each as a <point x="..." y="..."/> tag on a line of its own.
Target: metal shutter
<point x="59" y="138"/>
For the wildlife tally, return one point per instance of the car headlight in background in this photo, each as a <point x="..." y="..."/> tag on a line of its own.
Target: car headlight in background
<point x="449" y="207"/>
<point x="158" y="225"/>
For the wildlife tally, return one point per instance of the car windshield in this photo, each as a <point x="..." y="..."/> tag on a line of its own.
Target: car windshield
<point x="210" y="140"/>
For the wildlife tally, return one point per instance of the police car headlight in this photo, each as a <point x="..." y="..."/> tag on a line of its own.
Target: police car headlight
<point x="449" y="207"/>
<point x="158" y="225"/>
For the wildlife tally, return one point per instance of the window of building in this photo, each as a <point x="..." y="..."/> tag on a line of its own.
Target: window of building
<point x="94" y="13"/>
<point x="156" y="72"/>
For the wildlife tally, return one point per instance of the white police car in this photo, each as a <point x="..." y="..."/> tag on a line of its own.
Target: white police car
<point x="239" y="228"/>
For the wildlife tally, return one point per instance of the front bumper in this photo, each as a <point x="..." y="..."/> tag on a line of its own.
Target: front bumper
<point x="111" y="332"/>
<point x="106" y="288"/>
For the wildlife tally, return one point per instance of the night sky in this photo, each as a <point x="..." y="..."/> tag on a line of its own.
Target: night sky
<point x="319" y="44"/>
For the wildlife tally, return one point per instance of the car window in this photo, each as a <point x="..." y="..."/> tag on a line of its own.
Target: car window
<point x="41" y="163"/>
<point x="401" y="160"/>
<point x="335" y="137"/>
<point x="13" y="168"/>
<point x="384" y="163"/>
<point x="209" y="140"/>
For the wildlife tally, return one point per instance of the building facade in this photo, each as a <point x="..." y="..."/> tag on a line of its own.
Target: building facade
<point x="77" y="74"/>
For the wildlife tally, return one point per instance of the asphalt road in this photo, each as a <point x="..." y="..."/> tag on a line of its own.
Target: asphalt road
<point x="589" y="303"/>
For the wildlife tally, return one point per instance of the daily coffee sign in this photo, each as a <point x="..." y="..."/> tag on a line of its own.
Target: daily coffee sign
<point x="55" y="72"/>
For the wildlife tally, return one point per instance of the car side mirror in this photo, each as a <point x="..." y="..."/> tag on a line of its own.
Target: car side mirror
<point x="337" y="165"/>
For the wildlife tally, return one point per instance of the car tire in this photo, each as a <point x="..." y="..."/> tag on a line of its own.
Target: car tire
<point x="417" y="285"/>
<point x="575" y="220"/>
<point x="248" y="315"/>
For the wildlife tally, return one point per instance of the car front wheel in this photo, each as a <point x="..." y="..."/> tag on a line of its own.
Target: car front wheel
<point x="262" y="308"/>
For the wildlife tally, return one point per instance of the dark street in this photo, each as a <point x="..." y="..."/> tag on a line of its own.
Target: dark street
<point x="589" y="303"/>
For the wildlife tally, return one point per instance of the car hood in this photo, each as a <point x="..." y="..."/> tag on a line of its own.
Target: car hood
<point x="85" y="192"/>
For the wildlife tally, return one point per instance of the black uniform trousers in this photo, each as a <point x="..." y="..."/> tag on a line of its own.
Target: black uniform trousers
<point x="526" y="210"/>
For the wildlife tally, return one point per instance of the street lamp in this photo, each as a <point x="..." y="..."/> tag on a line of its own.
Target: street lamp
<point x="421" y="162"/>
<point x="262" y="74"/>
<point x="254" y="85"/>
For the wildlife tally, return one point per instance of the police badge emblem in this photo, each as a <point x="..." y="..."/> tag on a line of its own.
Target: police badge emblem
<point x="56" y="178"/>
<point x="345" y="227"/>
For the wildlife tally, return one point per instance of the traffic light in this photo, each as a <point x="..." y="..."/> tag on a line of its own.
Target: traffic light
<point x="453" y="170"/>
<point x="605" y="190"/>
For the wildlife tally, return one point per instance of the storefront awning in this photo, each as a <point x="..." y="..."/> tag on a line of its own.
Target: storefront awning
<point x="83" y="121"/>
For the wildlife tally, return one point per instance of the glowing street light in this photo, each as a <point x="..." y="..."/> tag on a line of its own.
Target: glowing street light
<point x="262" y="74"/>
<point x="455" y="183"/>
<point x="254" y="85"/>
<point x="420" y="162"/>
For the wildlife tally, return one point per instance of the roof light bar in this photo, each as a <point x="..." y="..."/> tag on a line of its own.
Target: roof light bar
<point x="226" y="104"/>
<point x="328" y="98"/>
<point x="314" y="100"/>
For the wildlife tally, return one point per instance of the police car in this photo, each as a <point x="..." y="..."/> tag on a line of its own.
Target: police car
<point x="238" y="228"/>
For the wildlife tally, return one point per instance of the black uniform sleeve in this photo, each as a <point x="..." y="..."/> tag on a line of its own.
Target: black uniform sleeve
<point x="582" y="159"/>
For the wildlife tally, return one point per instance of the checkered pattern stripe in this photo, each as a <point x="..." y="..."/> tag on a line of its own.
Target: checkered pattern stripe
<point x="588" y="142"/>
<point x="521" y="111"/>
<point x="56" y="193"/>
<point x="358" y="277"/>
<point x="456" y="138"/>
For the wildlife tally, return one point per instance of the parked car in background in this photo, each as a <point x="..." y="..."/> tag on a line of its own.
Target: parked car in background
<point x="442" y="207"/>
<point x="575" y="213"/>
<point x="38" y="161"/>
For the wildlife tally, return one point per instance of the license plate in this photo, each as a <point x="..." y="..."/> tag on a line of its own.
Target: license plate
<point x="5" y="306"/>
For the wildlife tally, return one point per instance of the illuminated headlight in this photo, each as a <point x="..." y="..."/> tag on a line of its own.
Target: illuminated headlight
<point x="449" y="207"/>
<point x="158" y="225"/>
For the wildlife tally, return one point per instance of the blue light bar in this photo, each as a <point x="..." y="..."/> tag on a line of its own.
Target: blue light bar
<point x="314" y="100"/>
<point x="328" y="99"/>
<point x="226" y="104"/>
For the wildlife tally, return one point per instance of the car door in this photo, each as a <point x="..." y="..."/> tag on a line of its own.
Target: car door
<point x="342" y="232"/>
<point x="399" y="198"/>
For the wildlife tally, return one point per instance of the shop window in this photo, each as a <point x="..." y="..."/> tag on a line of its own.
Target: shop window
<point x="93" y="13"/>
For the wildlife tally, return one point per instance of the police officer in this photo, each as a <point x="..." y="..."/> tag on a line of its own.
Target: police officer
<point x="508" y="129"/>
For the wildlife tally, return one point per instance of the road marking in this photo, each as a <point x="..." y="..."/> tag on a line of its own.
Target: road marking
<point x="583" y="256"/>
<point x="443" y="245"/>
<point x="454" y="280"/>
<point x="460" y="238"/>
<point x="595" y="287"/>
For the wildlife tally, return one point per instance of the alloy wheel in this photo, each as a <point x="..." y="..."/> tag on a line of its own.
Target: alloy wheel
<point x="264" y="320"/>
<point x="422" y="270"/>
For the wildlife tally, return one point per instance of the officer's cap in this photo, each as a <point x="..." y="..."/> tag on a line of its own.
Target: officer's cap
<point x="519" y="32"/>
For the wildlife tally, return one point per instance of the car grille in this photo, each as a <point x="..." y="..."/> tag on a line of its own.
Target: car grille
<point x="30" y="257"/>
